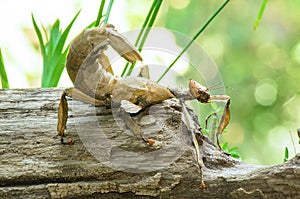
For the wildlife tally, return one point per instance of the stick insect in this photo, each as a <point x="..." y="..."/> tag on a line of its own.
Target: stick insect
<point x="94" y="82"/>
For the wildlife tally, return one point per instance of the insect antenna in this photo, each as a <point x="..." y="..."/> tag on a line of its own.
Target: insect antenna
<point x="219" y="85"/>
<point x="216" y="86"/>
<point x="232" y="90"/>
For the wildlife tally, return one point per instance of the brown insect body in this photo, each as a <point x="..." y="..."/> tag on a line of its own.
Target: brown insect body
<point x="91" y="73"/>
<point x="94" y="83"/>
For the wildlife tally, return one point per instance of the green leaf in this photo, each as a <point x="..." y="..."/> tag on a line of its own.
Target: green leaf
<point x="141" y="39"/>
<point x="260" y="13"/>
<point x="214" y="106"/>
<point x="39" y="35"/>
<point x="235" y="155"/>
<point x="100" y="15"/>
<point x="41" y="42"/>
<point x="3" y="76"/>
<point x="205" y="131"/>
<point x="233" y="149"/>
<point x="225" y="146"/>
<point x="53" y="52"/>
<point x="91" y="25"/>
<point x="59" y="57"/>
<point x="286" y="154"/>
<point x="59" y="67"/>
<point x="108" y="11"/>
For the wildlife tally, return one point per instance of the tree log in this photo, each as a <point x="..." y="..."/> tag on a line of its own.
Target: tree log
<point x="108" y="161"/>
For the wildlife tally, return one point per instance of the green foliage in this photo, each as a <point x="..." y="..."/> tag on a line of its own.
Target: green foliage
<point x="146" y="27"/>
<point x="232" y="151"/>
<point x="108" y="11"/>
<point x="53" y="51"/>
<point x="260" y="13"/>
<point x="215" y="108"/>
<point x="245" y="58"/>
<point x="286" y="154"/>
<point x="3" y="76"/>
<point x="100" y="15"/>
<point x="206" y="131"/>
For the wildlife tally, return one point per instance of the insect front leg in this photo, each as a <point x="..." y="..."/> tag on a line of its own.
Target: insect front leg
<point x="225" y="116"/>
<point x="201" y="94"/>
<point x="134" y="127"/>
<point x="62" y="118"/>
<point x="195" y="138"/>
<point x="63" y="109"/>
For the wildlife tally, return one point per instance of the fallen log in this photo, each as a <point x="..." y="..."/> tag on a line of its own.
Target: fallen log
<point x="107" y="161"/>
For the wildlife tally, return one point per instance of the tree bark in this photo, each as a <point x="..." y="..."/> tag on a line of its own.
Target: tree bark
<point x="107" y="161"/>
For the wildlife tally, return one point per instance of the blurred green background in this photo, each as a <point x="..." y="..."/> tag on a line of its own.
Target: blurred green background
<point x="262" y="66"/>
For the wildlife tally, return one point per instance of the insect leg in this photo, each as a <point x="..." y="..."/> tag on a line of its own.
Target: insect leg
<point x="225" y="116"/>
<point x="124" y="47"/>
<point x="62" y="118"/>
<point x="194" y="134"/>
<point x="213" y="126"/>
<point x="80" y="96"/>
<point x="134" y="127"/>
<point x="63" y="109"/>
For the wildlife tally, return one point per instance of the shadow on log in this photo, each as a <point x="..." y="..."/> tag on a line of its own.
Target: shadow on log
<point x="107" y="161"/>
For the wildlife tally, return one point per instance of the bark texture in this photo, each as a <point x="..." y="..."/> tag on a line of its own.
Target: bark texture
<point x="107" y="161"/>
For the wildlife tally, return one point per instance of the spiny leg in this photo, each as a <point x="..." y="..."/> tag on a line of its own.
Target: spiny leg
<point x="187" y="119"/>
<point x="213" y="126"/>
<point x="225" y="116"/>
<point x="63" y="109"/>
<point x="134" y="127"/>
<point x="62" y="119"/>
<point x="201" y="94"/>
<point x="92" y="61"/>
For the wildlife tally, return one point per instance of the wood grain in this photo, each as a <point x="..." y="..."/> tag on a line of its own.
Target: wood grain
<point x="108" y="161"/>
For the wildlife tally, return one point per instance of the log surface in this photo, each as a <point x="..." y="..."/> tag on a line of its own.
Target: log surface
<point x="107" y="161"/>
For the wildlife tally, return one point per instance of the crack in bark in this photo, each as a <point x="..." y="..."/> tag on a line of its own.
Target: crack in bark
<point x="33" y="163"/>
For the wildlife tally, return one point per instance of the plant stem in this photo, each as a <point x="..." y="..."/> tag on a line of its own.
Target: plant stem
<point x="99" y="16"/>
<point x="194" y="38"/>
<point x="3" y="76"/>
<point x="260" y="13"/>
<point x="146" y="27"/>
<point x="108" y="11"/>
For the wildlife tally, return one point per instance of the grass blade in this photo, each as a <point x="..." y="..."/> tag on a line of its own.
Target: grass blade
<point x="141" y="33"/>
<point x="53" y="52"/>
<point x="56" y="73"/>
<point x="100" y="15"/>
<point x="91" y="25"/>
<point x="149" y="21"/>
<point x="194" y="38"/>
<point x="42" y="45"/>
<point x="286" y="154"/>
<point x="154" y="4"/>
<point x="63" y="37"/>
<point x="260" y="14"/>
<point x="59" y="57"/>
<point x="108" y="11"/>
<point x="39" y="35"/>
<point x="3" y="76"/>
